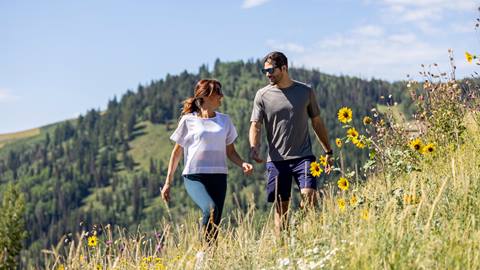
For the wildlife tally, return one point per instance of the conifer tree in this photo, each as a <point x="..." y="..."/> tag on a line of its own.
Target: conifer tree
<point x="12" y="227"/>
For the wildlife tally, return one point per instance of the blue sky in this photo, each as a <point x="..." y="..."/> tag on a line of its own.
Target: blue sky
<point x="61" y="58"/>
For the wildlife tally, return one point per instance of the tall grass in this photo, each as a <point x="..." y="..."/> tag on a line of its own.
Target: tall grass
<point x="422" y="220"/>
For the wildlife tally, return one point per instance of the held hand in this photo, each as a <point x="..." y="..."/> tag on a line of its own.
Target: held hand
<point x="247" y="168"/>
<point x="166" y="192"/>
<point x="255" y="155"/>
<point x="329" y="166"/>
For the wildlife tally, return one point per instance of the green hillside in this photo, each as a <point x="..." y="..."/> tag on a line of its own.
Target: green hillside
<point x="12" y="137"/>
<point x="23" y="139"/>
<point x="153" y="143"/>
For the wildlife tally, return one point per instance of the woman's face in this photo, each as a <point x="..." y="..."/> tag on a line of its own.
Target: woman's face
<point x="214" y="100"/>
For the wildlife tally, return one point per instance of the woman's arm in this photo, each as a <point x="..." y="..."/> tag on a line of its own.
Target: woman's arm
<point x="172" y="167"/>
<point x="235" y="158"/>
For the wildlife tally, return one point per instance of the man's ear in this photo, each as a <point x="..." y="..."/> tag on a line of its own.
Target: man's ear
<point x="284" y="68"/>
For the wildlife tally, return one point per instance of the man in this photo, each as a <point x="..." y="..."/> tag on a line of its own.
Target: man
<point x="284" y="107"/>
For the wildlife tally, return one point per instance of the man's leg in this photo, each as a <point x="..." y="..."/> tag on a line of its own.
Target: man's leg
<point x="281" y="217"/>
<point x="309" y="198"/>
<point x="306" y="182"/>
<point x="279" y="186"/>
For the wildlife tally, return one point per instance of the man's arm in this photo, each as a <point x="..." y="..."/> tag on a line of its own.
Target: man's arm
<point x="321" y="132"/>
<point x="254" y="138"/>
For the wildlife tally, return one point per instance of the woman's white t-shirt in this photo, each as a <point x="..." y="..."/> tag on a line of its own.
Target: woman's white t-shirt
<point x="204" y="142"/>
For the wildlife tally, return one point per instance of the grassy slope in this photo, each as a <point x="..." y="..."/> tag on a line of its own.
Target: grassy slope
<point x="153" y="142"/>
<point x="11" y="137"/>
<point x="13" y="141"/>
<point x="438" y="230"/>
<point x="149" y="142"/>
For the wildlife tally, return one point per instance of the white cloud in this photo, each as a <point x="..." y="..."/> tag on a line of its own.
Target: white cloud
<point x="253" y="3"/>
<point x="369" y="30"/>
<point x="405" y="38"/>
<point x="423" y="14"/>
<point x="443" y="4"/>
<point x="466" y="27"/>
<point x="287" y="47"/>
<point x="6" y="95"/>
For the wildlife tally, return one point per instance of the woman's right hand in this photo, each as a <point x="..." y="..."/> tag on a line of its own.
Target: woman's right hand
<point x="166" y="192"/>
<point x="247" y="168"/>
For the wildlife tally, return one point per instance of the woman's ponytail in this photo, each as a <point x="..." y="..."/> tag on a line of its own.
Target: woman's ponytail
<point x="190" y="105"/>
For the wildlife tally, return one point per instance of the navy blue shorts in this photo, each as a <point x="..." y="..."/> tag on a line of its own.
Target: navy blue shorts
<point x="281" y="173"/>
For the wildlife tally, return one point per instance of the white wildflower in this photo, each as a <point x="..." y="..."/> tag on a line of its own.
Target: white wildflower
<point x="284" y="262"/>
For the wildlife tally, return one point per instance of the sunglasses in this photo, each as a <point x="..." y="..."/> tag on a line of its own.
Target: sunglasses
<point x="269" y="70"/>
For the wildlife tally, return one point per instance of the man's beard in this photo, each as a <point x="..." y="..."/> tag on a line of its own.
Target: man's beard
<point x="273" y="80"/>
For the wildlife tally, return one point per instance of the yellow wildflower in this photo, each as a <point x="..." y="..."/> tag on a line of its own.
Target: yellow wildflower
<point x="469" y="57"/>
<point x="315" y="169"/>
<point x="338" y="142"/>
<point x="365" y="214"/>
<point x="341" y="204"/>
<point x="343" y="183"/>
<point x="160" y="266"/>
<point x="345" y="115"/>
<point x="367" y="120"/>
<point x="323" y="160"/>
<point x="410" y="199"/>
<point x="148" y="259"/>
<point x="353" y="200"/>
<point x="416" y="144"/>
<point x="92" y="241"/>
<point x="358" y="143"/>
<point x="429" y="148"/>
<point x="352" y="133"/>
<point x="407" y="199"/>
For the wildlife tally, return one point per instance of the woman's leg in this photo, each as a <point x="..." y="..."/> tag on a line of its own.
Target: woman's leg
<point x="208" y="192"/>
<point x="216" y="186"/>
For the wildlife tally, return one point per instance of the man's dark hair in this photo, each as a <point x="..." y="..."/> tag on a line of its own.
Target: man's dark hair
<point x="277" y="59"/>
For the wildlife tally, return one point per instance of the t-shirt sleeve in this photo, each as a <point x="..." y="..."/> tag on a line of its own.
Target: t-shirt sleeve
<point x="258" y="110"/>
<point x="312" y="107"/>
<point x="231" y="132"/>
<point x="180" y="133"/>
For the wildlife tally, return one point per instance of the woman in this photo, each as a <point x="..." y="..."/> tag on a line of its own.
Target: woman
<point x="206" y="137"/>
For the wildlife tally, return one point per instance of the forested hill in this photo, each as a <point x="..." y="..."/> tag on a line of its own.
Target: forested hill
<point x="106" y="167"/>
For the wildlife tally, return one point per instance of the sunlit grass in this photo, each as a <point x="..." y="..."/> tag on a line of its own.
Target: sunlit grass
<point x="19" y="135"/>
<point x="11" y="137"/>
<point x="438" y="229"/>
<point x="153" y="142"/>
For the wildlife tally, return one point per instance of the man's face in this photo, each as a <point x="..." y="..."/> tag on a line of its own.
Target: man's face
<point x="273" y="72"/>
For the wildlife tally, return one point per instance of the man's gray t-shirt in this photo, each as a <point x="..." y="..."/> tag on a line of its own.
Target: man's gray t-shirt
<point x="285" y="114"/>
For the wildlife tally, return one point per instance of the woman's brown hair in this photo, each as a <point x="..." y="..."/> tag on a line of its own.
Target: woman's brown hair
<point x="204" y="88"/>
